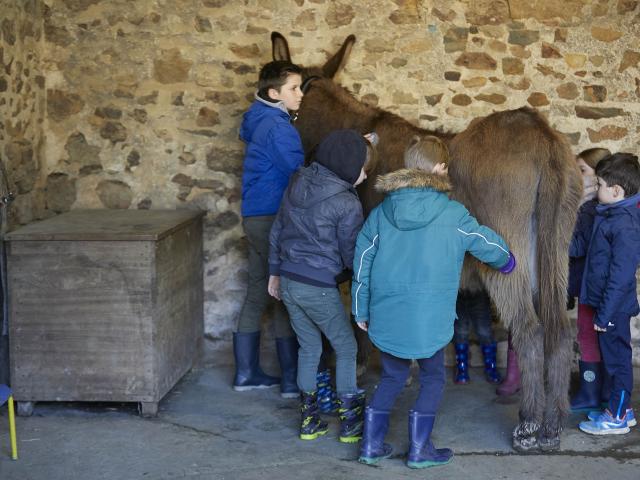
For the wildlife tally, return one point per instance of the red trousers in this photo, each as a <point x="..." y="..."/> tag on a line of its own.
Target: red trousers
<point x="587" y="336"/>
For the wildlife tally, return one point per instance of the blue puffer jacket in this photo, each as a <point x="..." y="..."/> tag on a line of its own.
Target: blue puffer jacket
<point x="579" y="245"/>
<point x="274" y="151"/>
<point x="408" y="261"/>
<point x="609" y="281"/>
<point x="314" y="235"/>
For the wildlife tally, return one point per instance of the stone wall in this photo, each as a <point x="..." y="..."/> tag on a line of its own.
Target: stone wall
<point x="22" y="106"/>
<point x="144" y="99"/>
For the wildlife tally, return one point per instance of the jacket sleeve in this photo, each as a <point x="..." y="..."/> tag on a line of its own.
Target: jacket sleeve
<point x="349" y="224"/>
<point x="365" y="252"/>
<point x="274" y="244"/>
<point x="286" y="146"/>
<point x="483" y="243"/>
<point x="581" y="234"/>
<point x="625" y="255"/>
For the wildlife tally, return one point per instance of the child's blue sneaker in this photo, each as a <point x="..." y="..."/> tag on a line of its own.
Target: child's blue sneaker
<point x="605" y="424"/>
<point x="629" y="415"/>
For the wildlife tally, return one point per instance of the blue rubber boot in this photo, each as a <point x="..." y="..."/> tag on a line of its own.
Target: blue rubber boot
<point x="489" y="352"/>
<point x="373" y="449"/>
<point x="249" y="375"/>
<point x="462" y="364"/>
<point x="311" y="425"/>
<point x="327" y="398"/>
<point x="422" y="453"/>
<point x="588" y="397"/>
<point x="287" y="348"/>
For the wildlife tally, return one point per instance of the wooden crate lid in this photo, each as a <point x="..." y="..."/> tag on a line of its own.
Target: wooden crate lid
<point x="107" y="225"/>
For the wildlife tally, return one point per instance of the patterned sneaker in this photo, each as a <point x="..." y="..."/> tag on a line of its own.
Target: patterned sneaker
<point x="629" y="415"/>
<point x="605" y="424"/>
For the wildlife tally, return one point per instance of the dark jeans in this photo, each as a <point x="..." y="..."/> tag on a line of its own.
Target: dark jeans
<point x="615" y="348"/>
<point x="473" y="309"/>
<point x="315" y="311"/>
<point x="394" y="375"/>
<point x="257" y="230"/>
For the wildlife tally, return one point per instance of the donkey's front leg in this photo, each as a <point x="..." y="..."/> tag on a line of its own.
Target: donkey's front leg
<point x="530" y="350"/>
<point x="557" y="374"/>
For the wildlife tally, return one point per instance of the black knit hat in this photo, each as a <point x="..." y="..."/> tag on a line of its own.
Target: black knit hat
<point x="344" y="152"/>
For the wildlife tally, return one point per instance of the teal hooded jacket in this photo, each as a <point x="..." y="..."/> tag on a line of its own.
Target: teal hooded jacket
<point x="408" y="261"/>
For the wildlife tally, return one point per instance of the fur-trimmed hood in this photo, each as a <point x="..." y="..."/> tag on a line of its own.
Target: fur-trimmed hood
<point x="412" y="178"/>
<point x="414" y="198"/>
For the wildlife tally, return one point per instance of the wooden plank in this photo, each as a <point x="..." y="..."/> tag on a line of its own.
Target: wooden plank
<point x="81" y="321"/>
<point x="116" y="225"/>
<point x="178" y="308"/>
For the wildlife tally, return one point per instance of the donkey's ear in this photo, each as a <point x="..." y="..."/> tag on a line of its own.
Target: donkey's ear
<point x="336" y="63"/>
<point x="279" y="47"/>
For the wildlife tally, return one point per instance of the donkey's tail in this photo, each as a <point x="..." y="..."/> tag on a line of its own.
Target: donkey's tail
<point x="557" y="202"/>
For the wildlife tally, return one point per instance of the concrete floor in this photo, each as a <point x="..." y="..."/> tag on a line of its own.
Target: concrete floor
<point x="205" y="430"/>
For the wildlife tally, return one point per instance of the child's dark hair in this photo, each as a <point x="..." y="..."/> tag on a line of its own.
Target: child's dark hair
<point x="621" y="169"/>
<point x="591" y="156"/>
<point x="274" y="75"/>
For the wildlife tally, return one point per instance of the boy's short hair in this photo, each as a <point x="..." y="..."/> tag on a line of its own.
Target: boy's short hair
<point x="621" y="169"/>
<point x="591" y="156"/>
<point x="274" y="75"/>
<point x="425" y="152"/>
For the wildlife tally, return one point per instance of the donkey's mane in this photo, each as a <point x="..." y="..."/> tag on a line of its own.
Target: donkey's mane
<point x="345" y="96"/>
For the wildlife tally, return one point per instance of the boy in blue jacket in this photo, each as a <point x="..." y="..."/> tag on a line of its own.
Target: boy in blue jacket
<point x="312" y="242"/>
<point x="273" y="152"/>
<point x="407" y="269"/>
<point x="609" y="284"/>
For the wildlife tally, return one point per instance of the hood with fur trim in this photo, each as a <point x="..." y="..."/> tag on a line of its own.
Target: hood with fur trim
<point x="414" y="197"/>
<point x="412" y="178"/>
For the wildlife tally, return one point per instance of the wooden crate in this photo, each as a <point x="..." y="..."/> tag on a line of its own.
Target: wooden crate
<point x="104" y="305"/>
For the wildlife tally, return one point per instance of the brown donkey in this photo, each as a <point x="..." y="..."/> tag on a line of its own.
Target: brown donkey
<point x="516" y="175"/>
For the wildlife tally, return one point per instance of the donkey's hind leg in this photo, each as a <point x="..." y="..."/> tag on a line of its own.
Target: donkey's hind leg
<point x="529" y="346"/>
<point x="557" y="375"/>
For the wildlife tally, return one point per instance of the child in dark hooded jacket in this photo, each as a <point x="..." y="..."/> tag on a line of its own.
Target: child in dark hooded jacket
<point x="312" y="241"/>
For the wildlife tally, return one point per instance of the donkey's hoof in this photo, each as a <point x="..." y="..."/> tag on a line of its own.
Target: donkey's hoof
<point x="525" y="437"/>
<point x="526" y="444"/>
<point x="549" y="444"/>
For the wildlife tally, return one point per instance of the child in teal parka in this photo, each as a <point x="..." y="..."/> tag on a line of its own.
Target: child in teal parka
<point x="407" y="267"/>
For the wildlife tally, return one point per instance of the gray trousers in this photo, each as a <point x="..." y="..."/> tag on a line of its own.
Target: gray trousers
<point x="315" y="311"/>
<point x="257" y="230"/>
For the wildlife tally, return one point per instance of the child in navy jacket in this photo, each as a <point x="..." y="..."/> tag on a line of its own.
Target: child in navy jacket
<point x="609" y="284"/>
